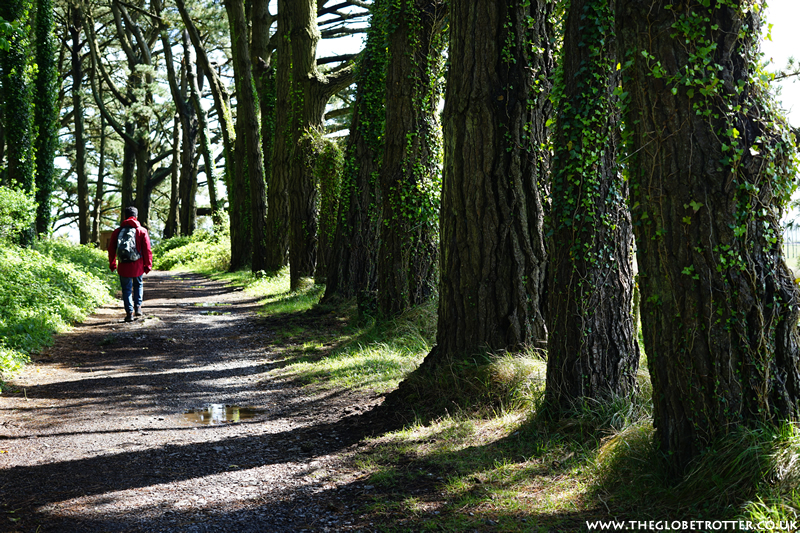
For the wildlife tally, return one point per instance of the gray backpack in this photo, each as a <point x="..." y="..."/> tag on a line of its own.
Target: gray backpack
<point x="126" y="246"/>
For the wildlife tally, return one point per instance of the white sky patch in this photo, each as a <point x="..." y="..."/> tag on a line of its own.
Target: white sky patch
<point x="783" y="15"/>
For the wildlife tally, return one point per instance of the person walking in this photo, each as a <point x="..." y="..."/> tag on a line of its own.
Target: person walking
<point x="130" y="243"/>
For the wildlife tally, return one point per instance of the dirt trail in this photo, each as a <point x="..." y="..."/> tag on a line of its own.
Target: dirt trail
<point x="94" y="436"/>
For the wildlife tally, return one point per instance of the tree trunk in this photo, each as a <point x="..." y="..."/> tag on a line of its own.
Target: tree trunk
<point x="329" y="173"/>
<point x="45" y="114"/>
<point x="142" y="156"/>
<point x="309" y="94"/>
<point x="247" y="116"/>
<point x="492" y="244"/>
<point x="205" y="143"/>
<point x="409" y="177"/>
<point x="239" y="246"/>
<point x="710" y="172"/>
<point x="278" y="193"/>
<point x="239" y="204"/>
<point x="187" y="185"/>
<point x="592" y="351"/>
<point x="99" y="189"/>
<point x="80" y="137"/>
<point x="353" y="265"/>
<point x="171" y="226"/>
<point x="18" y="112"/>
<point x="307" y="112"/>
<point x="128" y="170"/>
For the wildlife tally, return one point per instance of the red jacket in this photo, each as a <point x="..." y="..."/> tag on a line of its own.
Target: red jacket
<point x="136" y="268"/>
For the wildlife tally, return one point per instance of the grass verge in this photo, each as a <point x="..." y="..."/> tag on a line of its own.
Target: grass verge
<point x="43" y="290"/>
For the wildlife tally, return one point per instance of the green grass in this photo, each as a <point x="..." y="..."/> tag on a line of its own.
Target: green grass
<point x="203" y="252"/>
<point x="43" y="290"/>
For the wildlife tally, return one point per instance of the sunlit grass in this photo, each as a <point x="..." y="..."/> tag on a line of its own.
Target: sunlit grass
<point x="43" y="290"/>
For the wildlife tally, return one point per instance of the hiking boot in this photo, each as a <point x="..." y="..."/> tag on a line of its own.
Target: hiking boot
<point x="138" y="311"/>
<point x="128" y="317"/>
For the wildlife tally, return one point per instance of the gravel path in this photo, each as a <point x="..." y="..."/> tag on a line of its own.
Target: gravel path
<point x="95" y="436"/>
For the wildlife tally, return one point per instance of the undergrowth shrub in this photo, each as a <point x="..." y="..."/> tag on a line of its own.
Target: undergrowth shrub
<point x="202" y="252"/>
<point x="43" y="289"/>
<point x="17" y="212"/>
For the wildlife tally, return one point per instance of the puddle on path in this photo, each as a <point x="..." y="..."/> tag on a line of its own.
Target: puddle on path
<point x="217" y="414"/>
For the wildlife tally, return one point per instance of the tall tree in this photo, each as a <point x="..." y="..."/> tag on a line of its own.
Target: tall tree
<point x="99" y="190"/>
<point x="409" y="177"/>
<point x="248" y="126"/>
<point x="492" y="246"/>
<point x="240" y="243"/>
<point x="710" y="169"/>
<point x="353" y="267"/>
<point x="171" y="225"/>
<point x="310" y="92"/>
<point x="45" y="113"/>
<point x="78" y="114"/>
<point x="17" y="108"/>
<point x="278" y="187"/>
<point x="187" y="183"/>
<point x="592" y="350"/>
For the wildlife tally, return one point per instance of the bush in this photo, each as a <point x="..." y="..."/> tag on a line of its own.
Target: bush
<point x="42" y="291"/>
<point x="17" y="212"/>
<point x="202" y="252"/>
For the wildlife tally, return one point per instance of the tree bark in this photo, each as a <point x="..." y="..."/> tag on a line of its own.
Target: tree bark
<point x="353" y="265"/>
<point x="171" y="226"/>
<point x="247" y="125"/>
<point x="278" y="193"/>
<point x="309" y="94"/>
<point x="409" y="177"/>
<point x="78" y="115"/>
<point x="187" y="185"/>
<point x="99" y="188"/>
<point x="17" y="110"/>
<point x="592" y="351"/>
<point x="239" y="244"/>
<point x="45" y="114"/>
<point x="205" y="143"/>
<point x="710" y="171"/>
<point x="492" y="244"/>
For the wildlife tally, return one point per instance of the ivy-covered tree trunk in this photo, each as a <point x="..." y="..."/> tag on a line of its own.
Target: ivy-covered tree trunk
<point x="45" y="114"/>
<point x="76" y="27"/>
<point x="17" y="108"/>
<point x="592" y="351"/>
<point x="710" y="171"/>
<point x="278" y="185"/>
<point x="354" y="254"/>
<point x="310" y="92"/>
<point x="246" y="115"/>
<point x="329" y="174"/>
<point x="409" y="177"/>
